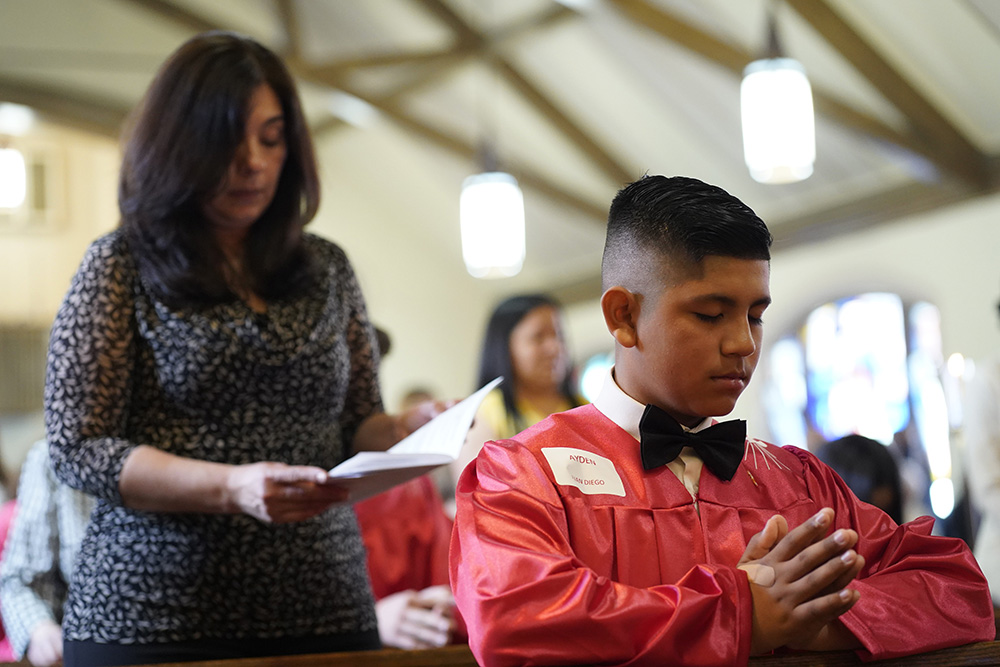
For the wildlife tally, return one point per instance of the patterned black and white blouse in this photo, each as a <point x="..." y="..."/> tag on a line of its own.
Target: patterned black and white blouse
<point x="225" y="384"/>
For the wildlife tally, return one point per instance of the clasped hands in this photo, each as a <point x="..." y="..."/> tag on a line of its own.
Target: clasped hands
<point x="798" y="580"/>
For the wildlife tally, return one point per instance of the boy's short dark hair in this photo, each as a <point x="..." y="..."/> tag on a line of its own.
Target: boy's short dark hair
<point x="678" y="218"/>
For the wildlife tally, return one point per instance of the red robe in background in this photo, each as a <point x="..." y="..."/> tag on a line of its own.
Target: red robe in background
<point x="406" y="533"/>
<point x="567" y="552"/>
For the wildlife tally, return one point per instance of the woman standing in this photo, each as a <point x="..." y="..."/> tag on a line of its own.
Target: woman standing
<point x="210" y="362"/>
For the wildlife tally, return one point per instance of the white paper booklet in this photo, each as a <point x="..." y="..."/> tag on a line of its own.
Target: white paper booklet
<point x="436" y="443"/>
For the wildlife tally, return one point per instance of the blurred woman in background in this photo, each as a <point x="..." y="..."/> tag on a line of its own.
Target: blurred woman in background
<point x="524" y="343"/>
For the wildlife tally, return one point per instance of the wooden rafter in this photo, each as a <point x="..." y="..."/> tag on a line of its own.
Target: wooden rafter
<point x="465" y="33"/>
<point x="444" y="59"/>
<point x="693" y="38"/>
<point x="881" y="208"/>
<point x="928" y="132"/>
<point x="290" y="25"/>
<point x="431" y="57"/>
<point x="84" y="112"/>
<point x="177" y="15"/>
<point x="435" y="64"/>
<point x="946" y="145"/>
<point x="394" y="110"/>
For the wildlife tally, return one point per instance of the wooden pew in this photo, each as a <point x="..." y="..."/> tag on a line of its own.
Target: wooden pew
<point x="978" y="655"/>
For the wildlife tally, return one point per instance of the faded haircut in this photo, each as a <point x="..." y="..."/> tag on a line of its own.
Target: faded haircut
<point x="659" y="220"/>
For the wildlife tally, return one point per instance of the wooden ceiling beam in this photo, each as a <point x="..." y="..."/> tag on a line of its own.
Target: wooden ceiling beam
<point x="288" y="15"/>
<point x="445" y="58"/>
<point x="393" y="110"/>
<point x="466" y="34"/>
<point x="177" y="15"/>
<point x="434" y="70"/>
<point x="81" y="111"/>
<point x="876" y="210"/>
<point x="429" y="57"/>
<point x="947" y="145"/>
<point x="526" y="177"/>
<point x="714" y="49"/>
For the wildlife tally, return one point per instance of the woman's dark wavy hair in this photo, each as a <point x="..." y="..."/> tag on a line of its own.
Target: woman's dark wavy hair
<point x="183" y="137"/>
<point x="494" y="360"/>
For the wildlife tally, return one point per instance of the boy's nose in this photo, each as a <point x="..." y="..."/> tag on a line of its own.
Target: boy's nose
<point x="739" y="340"/>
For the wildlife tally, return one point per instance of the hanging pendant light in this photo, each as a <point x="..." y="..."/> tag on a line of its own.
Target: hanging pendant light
<point x="13" y="178"/>
<point x="15" y="120"/>
<point x="779" y="134"/>
<point x="491" y="211"/>
<point x="491" y="208"/>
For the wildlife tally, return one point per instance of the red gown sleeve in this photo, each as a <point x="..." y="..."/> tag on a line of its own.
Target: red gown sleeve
<point x="918" y="592"/>
<point x="529" y="600"/>
<point x="406" y="533"/>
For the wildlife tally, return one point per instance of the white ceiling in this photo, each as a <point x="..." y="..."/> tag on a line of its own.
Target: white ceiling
<point x="580" y="97"/>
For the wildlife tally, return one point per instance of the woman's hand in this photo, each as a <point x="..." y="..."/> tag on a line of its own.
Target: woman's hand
<point x="279" y="493"/>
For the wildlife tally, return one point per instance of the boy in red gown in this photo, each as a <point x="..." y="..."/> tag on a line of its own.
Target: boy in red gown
<point x="638" y="531"/>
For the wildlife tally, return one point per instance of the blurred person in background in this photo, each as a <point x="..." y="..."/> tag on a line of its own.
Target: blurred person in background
<point x="869" y="470"/>
<point x="37" y="562"/>
<point x="982" y="450"/>
<point x="524" y="343"/>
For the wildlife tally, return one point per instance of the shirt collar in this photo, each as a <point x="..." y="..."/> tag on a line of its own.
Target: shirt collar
<point x="625" y="411"/>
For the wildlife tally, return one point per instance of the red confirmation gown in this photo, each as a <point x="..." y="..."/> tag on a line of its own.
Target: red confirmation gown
<point x="406" y="534"/>
<point x="566" y="552"/>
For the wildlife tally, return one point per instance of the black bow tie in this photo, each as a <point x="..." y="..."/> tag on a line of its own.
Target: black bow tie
<point x="720" y="446"/>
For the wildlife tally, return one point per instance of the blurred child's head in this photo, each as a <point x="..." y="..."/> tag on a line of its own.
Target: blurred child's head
<point x="869" y="470"/>
<point x="686" y="281"/>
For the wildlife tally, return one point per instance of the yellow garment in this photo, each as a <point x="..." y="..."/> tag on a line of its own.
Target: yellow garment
<point x="494" y="413"/>
<point x="493" y="423"/>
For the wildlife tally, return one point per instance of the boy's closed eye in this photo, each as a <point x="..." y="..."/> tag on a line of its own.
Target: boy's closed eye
<point x="755" y="320"/>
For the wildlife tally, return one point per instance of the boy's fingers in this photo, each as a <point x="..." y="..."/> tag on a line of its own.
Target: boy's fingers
<point x="803" y="535"/>
<point x="822" y="579"/>
<point x="782" y="526"/>
<point x="762" y="543"/>
<point x="815" y="555"/>
<point x="845" y="579"/>
<point x="826" y="608"/>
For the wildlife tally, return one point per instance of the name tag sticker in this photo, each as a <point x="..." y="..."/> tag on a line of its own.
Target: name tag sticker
<point x="592" y="474"/>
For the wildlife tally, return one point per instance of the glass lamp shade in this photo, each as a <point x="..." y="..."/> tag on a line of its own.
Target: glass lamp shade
<point x="491" y="210"/>
<point x="779" y="132"/>
<point x="13" y="178"/>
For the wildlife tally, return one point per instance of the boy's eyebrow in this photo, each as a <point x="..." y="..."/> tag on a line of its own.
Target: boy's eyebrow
<point x="730" y="301"/>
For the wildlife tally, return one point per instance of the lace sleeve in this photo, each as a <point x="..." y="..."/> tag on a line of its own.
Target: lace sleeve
<point x="90" y="367"/>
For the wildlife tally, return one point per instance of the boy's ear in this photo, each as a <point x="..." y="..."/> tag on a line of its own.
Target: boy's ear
<point x="621" y="314"/>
